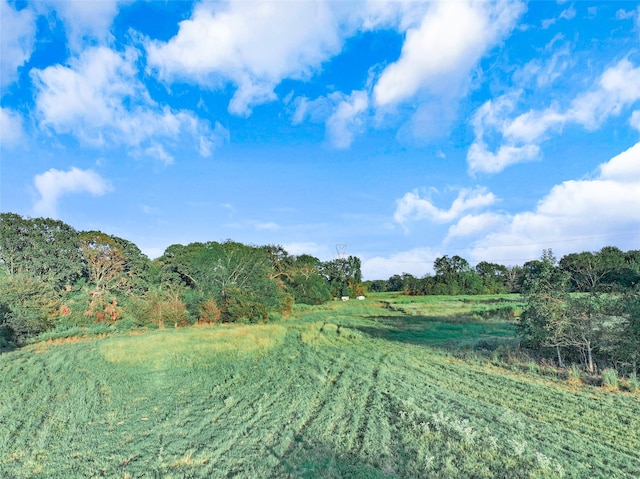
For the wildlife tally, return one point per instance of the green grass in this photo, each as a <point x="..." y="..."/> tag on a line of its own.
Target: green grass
<point x="330" y="392"/>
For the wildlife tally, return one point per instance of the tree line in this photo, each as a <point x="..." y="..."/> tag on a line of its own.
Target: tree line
<point x="608" y="270"/>
<point x="52" y="276"/>
<point x="584" y="308"/>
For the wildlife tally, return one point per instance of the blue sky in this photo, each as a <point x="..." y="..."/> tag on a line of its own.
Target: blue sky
<point x="403" y="130"/>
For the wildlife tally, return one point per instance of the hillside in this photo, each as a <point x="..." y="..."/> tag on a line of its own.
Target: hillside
<point x="334" y="391"/>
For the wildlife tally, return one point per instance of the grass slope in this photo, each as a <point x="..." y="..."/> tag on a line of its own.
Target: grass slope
<point x="319" y="395"/>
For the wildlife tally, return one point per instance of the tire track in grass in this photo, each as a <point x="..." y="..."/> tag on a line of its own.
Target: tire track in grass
<point x="375" y="432"/>
<point x="580" y="414"/>
<point x="460" y="395"/>
<point x="321" y="398"/>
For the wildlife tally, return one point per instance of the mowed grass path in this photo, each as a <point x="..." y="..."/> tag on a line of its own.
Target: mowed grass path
<point x="313" y="396"/>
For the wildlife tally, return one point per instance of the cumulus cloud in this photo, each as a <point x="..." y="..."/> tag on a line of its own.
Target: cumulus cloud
<point x="99" y="99"/>
<point x="574" y="216"/>
<point x="616" y="89"/>
<point x="417" y="261"/>
<point x="86" y="22"/>
<point x="253" y="45"/>
<point x="347" y="118"/>
<point x="475" y="224"/>
<point x="442" y="50"/>
<point x="343" y="115"/>
<point x="54" y="184"/>
<point x="17" y="37"/>
<point x="11" y="130"/>
<point x="412" y="207"/>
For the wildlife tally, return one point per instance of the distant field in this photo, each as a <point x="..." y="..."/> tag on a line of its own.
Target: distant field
<point x="351" y="389"/>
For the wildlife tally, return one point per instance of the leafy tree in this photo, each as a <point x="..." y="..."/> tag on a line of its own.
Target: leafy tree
<point x="28" y="305"/>
<point x="625" y="338"/>
<point x="545" y="292"/>
<point x="136" y="267"/>
<point x="104" y="259"/>
<point x="343" y="276"/>
<point x="455" y="276"/>
<point x="236" y="276"/>
<point x="493" y="277"/>
<point x="306" y="283"/>
<point x="585" y="326"/>
<point x="42" y="248"/>
<point x="588" y="270"/>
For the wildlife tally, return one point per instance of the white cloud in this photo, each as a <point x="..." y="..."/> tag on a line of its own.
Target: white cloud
<point x="635" y="120"/>
<point x="439" y="54"/>
<point x="411" y="207"/>
<point x="624" y="15"/>
<point x="158" y="152"/>
<point x="343" y="115"/>
<point x="11" y="131"/>
<point x="474" y="224"/>
<point x="253" y="45"/>
<point x="17" y="35"/>
<point x="568" y="14"/>
<point x="544" y="72"/>
<point x="99" y="99"/>
<point x="86" y="21"/>
<point x="417" y="261"/>
<point x="347" y="119"/>
<point x="54" y="184"/>
<point x="576" y="215"/>
<point x="480" y="159"/>
<point x="616" y="89"/>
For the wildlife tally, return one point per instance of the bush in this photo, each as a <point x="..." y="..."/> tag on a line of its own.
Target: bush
<point x="575" y="374"/>
<point x="29" y="306"/>
<point x="610" y="379"/>
<point x="209" y="312"/>
<point x="634" y="384"/>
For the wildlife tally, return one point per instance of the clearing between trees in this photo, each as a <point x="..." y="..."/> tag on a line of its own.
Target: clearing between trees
<point x="367" y="389"/>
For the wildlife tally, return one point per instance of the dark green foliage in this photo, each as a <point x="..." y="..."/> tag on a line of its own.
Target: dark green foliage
<point x="28" y="306"/>
<point x="343" y="275"/>
<point x="240" y="279"/>
<point x="42" y="248"/>
<point x="309" y="288"/>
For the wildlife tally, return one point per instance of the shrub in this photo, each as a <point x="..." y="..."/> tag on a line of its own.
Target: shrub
<point x="634" y="384"/>
<point x="610" y="379"/>
<point x="209" y="312"/>
<point x="574" y="374"/>
<point x="28" y="307"/>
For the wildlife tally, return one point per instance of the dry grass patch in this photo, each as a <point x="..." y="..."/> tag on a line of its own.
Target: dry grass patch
<point x="160" y="348"/>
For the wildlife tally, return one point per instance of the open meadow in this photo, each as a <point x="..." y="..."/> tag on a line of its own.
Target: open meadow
<point x="367" y="389"/>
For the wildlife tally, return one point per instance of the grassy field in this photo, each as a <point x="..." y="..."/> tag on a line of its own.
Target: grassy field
<point x="361" y="389"/>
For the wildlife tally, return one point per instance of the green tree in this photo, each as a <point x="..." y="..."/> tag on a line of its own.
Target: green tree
<point x="493" y="277"/>
<point x="455" y="276"/>
<point x="545" y="293"/>
<point x="588" y="270"/>
<point x="241" y="279"/>
<point x="104" y="258"/>
<point x="28" y="305"/>
<point x="343" y="276"/>
<point x="41" y="248"/>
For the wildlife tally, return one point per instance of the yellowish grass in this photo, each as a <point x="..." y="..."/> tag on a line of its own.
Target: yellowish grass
<point x="157" y="348"/>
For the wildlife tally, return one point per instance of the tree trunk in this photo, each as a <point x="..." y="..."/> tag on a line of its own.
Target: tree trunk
<point x="560" y="362"/>
<point x="590" y="359"/>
